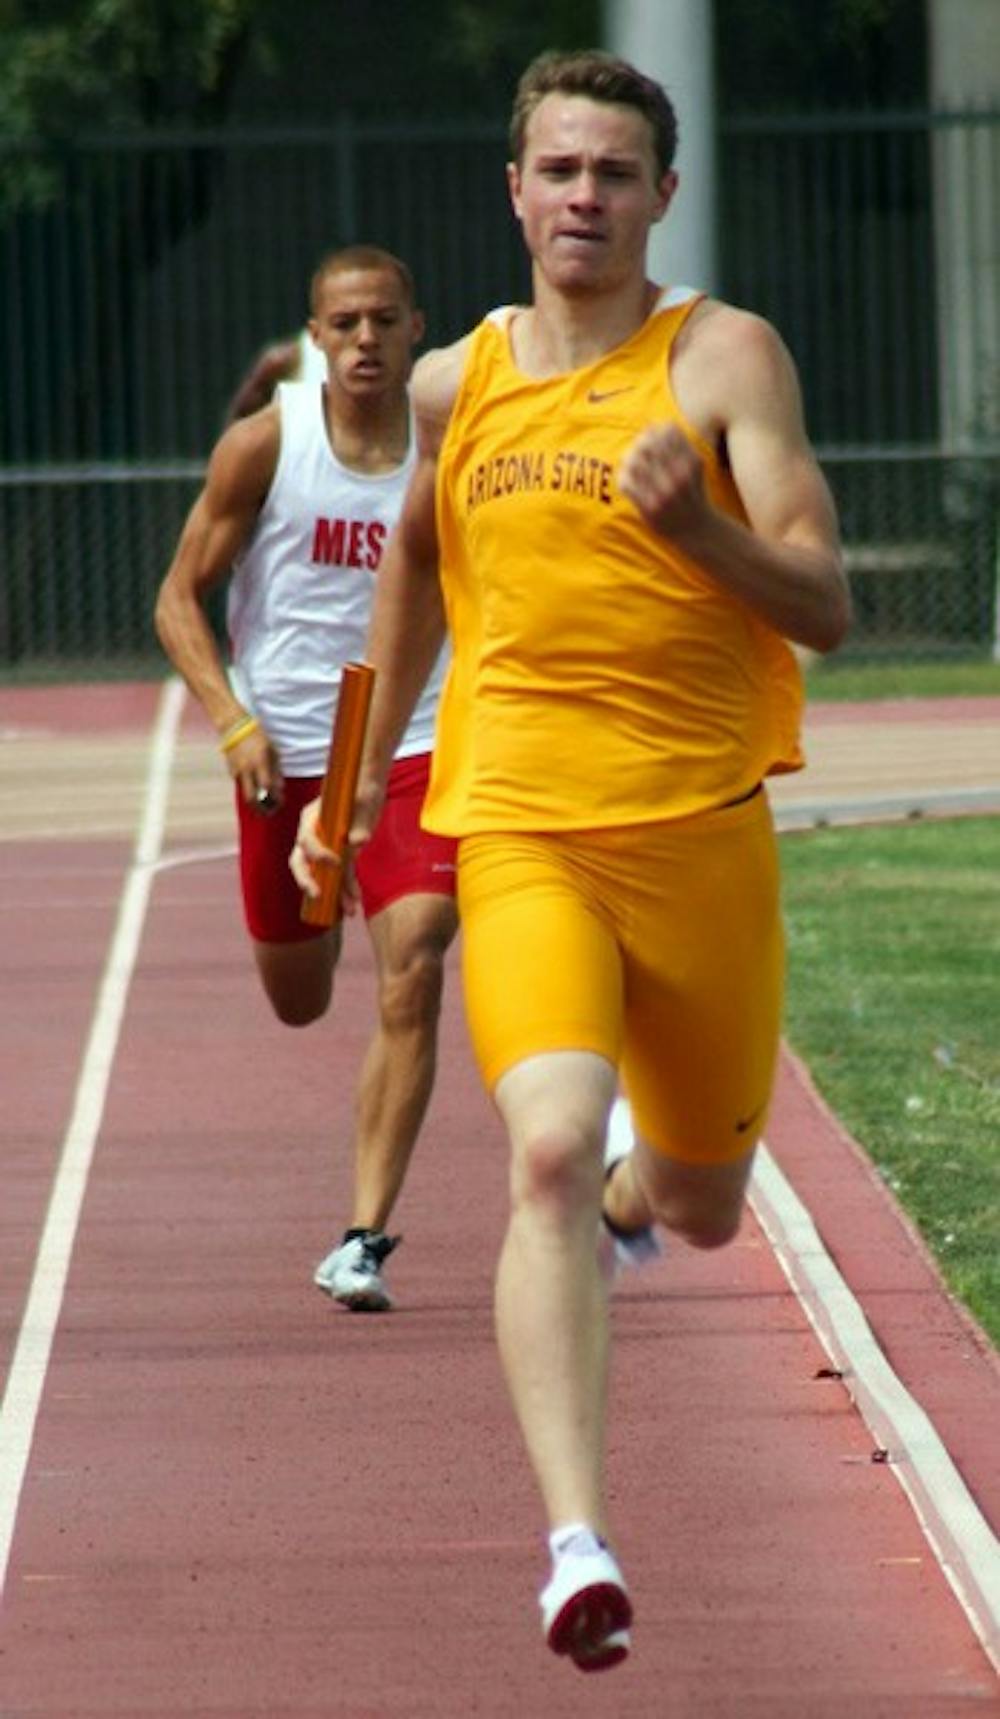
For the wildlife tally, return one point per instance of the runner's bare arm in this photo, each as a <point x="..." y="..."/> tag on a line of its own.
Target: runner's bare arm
<point x="220" y="522"/>
<point x="736" y="383"/>
<point x="275" y="364"/>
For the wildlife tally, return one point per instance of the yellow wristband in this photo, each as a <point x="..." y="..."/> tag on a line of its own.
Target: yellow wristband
<point x="237" y="722"/>
<point x="238" y="731"/>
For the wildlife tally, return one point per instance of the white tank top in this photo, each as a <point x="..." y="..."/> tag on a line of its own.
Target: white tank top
<point x="301" y="593"/>
<point x="312" y="362"/>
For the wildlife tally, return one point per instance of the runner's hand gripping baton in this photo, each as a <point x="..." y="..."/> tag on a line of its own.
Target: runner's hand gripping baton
<point x="339" y="787"/>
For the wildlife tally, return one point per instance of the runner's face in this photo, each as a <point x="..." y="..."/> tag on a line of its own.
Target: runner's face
<point x="587" y="192"/>
<point x="366" y="328"/>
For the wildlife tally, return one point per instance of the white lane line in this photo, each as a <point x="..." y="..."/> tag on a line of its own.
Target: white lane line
<point x="26" y="1379"/>
<point x="960" y="1537"/>
<point x="194" y="856"/>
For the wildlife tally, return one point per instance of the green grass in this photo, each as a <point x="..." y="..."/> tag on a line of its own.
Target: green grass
<point x="84" y="671"/>
<point x="836" y="678"/>
<point x="894" y="1003"/>
<point x="842" y="679"/>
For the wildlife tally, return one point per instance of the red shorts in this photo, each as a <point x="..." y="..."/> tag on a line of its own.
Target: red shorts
<point x="401" y="858"/>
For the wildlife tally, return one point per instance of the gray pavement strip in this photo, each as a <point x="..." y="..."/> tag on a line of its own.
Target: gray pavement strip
<point x="885" y="808"/>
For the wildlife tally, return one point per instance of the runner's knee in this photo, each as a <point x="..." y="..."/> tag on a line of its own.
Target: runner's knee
<point x="297" y="979"/>
<point x="706" y="1230"/>
<point x="702" y="1224"/>
<point x="298" y="1010"/>
<point x="558" y="1171"/>
<point x="410" y="995"/>
<point x="701" y="1204"/>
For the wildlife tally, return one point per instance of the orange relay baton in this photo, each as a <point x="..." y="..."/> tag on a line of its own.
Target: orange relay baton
<point x="340" y="783"/>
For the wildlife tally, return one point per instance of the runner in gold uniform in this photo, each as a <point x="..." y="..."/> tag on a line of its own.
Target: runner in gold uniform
<point x="618" y="517"/>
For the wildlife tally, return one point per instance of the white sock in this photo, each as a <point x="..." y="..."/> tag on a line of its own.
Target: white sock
<point x="575" y="1539"/>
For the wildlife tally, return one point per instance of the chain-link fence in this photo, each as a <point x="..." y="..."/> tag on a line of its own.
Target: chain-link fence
<point x="922" y="547"/>
<point x="84" y="551"/>
<point x="130" y="308"/>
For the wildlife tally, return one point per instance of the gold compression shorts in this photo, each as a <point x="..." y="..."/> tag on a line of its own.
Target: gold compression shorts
<point x="659" y="947"/>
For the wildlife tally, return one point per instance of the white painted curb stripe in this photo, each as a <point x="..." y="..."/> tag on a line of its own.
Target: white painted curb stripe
<point x="959" y="1535"/>
<point x="29" y="1366"/>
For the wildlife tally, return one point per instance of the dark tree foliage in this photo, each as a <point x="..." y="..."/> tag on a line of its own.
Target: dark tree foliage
<point x="403" y="57"/>
<point x="70" y="65"/>
<point x="802" y="55"/>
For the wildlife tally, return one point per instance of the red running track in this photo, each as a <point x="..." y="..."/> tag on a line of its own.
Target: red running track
<point x="240" y="1501"/>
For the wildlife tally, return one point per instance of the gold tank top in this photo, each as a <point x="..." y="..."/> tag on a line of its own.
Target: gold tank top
<point x="598" y="677"/>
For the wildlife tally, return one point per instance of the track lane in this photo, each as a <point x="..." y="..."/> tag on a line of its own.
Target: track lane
<point x="241" y="1501"/>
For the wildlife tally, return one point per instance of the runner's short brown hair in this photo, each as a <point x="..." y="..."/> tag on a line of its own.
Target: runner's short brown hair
<point x="602" y="77"/>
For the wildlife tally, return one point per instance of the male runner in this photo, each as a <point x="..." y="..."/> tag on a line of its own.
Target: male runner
<point x="617" y="513"/>
<point x="299" y="500"/>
